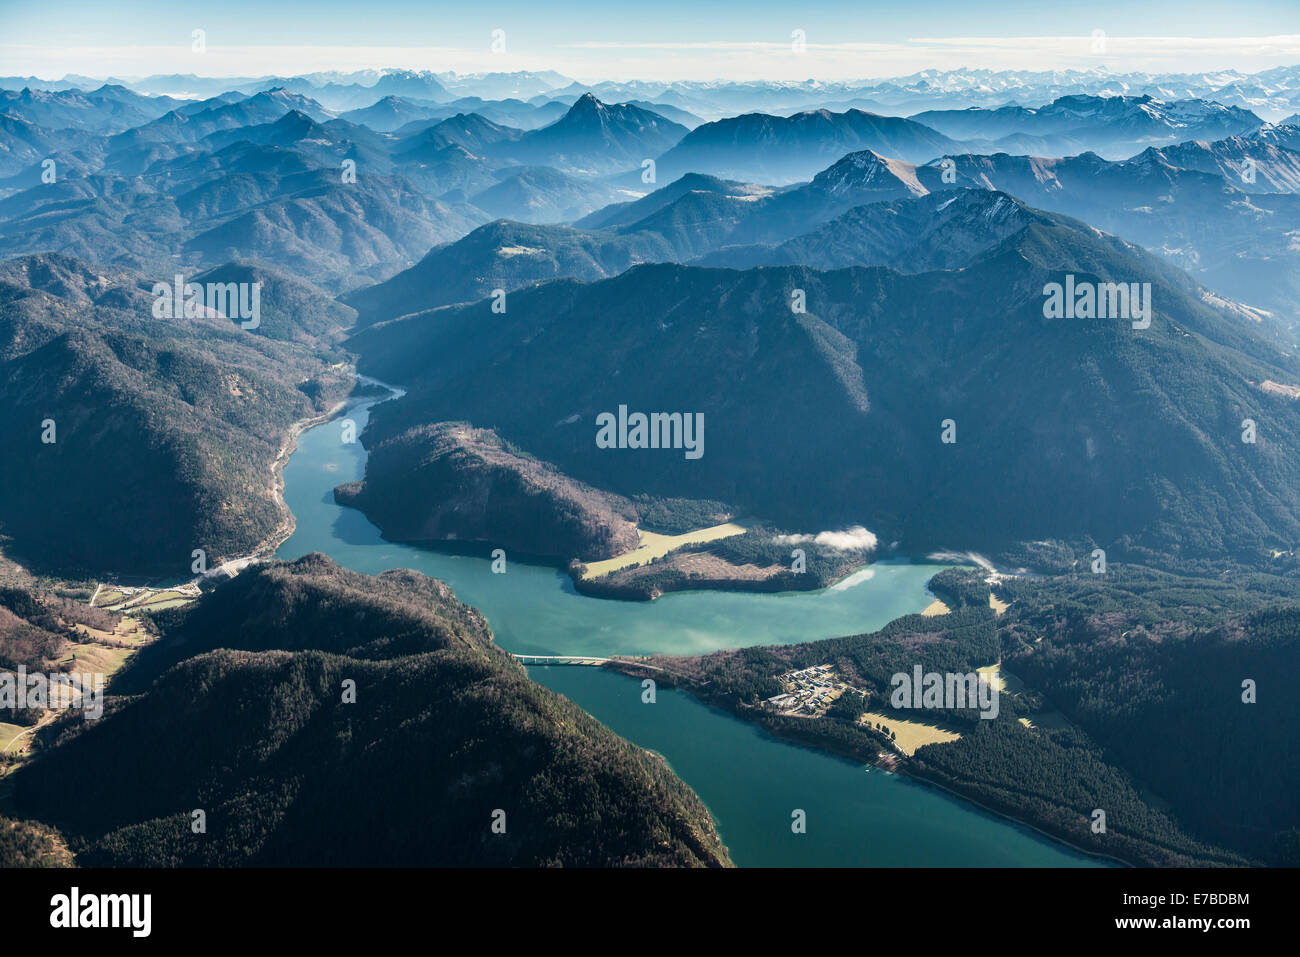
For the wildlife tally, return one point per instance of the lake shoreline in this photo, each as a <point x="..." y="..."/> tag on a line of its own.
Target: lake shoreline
<point x="900" y="766"/>
<point x="536" y="613"/>
<point x="288" y="522"/>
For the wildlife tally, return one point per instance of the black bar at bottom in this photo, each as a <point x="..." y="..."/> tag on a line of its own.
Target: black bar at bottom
<point x="769" y="906"/>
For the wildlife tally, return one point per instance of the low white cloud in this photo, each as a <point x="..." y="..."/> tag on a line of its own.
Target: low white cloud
<point x="850" y="539"/>
<point x="962" y="558"/>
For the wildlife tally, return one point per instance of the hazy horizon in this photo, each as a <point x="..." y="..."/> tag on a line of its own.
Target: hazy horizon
<point x="764" y="40"/>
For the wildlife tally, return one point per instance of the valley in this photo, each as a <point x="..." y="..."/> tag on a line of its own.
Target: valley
<point x="517" y="609"/>
<point x="533" y="612"/>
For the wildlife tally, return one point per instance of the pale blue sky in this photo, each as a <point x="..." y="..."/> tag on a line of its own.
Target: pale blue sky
<point x="657" y="39"/>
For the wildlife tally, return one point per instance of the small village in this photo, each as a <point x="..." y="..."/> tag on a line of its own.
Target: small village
<point x="810" y="692"/>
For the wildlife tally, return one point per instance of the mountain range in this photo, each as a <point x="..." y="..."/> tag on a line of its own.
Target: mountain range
<point x="276" y="176"/>
<point x="1113" y="126"/>
<point x="861" y="383"/>
<point x="1271" y="93"/>
<point x="705" y="219"/>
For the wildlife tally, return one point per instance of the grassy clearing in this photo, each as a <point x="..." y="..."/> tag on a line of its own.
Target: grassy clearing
<point x="161" y="597"/>
<point x="1010" y="684"/>
<point x="165" y="603"/>
<point x="10" y="740"/>
<point x="1279" y="388"/>
<point x="1047" y="721"/>
<point x="936" y="607"/>
<point x="103" y="651"/>
<point x="108" y="597"/>
<point x="1005" y="683"/>
<point x="910" y="735"/>
<point x="96" y="658"/>
<point x="653" y="545"/>
<point x="151" y="599"/>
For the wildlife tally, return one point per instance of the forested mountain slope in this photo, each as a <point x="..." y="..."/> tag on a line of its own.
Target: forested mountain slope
<point x="444" y="731"/>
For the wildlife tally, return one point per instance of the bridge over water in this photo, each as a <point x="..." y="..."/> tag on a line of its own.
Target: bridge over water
<point x="562" y="660"/>
<point x="594" y="662"/>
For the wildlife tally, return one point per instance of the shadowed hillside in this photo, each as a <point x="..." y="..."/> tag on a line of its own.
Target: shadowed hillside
<point x="446" y="729"/>
<point x="812" y="418"/>
<point x="128" y="441"/>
